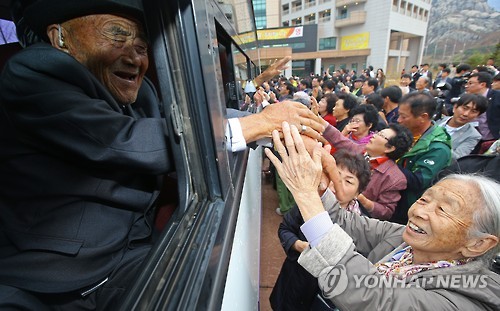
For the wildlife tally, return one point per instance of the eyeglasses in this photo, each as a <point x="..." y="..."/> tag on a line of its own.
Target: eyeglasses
<point x="472" y="82"/>
<point x="356" y="121"/>
<point x="382" y="135"/>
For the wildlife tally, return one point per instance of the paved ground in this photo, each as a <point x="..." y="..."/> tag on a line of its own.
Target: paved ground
<point x="271" y="252"/>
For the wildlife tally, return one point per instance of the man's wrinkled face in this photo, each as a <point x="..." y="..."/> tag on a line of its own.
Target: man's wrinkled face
<point x="421" y="84"/>
<point x="407" y="119"/>
<point x="113" y="48"/>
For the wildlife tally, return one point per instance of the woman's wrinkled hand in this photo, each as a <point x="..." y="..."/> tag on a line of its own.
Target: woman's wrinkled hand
<point x="300" y="172"/>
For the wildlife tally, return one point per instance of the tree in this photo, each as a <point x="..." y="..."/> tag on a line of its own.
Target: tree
<point x="477" y="59"/>
<point x="496" y="54"/>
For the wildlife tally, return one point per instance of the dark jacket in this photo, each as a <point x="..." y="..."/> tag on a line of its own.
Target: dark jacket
<point x="493" y="112"/>
<point x="414" y="78"/>
<point x="295" y="289"/>
<point x="79" y="173"/>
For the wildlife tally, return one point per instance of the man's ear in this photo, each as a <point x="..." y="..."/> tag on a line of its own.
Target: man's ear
<point x="389" y="149"/>
<point x="54" y="32"/>
<point x="425" y="116"/>
<point x="479" y="246"/>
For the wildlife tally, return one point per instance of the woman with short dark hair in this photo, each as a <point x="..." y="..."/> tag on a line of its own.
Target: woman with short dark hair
<point x="363" y="120"/>
<point x="344" y="104"/>
<point x="325" y="108"/>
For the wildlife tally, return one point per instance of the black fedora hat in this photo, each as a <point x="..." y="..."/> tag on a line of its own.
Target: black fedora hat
<point x="42" y="13"/>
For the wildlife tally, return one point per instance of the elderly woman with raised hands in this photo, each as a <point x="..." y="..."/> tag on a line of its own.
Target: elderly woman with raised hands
<point x="438" y="261"/>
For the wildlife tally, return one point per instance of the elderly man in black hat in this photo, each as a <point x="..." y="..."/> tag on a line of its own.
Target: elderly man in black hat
<point x="358" y="84"/>
<point x="77" y="176"/>
<point x="84" y="146"/>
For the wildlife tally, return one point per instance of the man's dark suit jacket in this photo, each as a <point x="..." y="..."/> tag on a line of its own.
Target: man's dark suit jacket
<point x="414" y="78"/>
<point x="78" y="172"/>
<point x="493" y="112"/>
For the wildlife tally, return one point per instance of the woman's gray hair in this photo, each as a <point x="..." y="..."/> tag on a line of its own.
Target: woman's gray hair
<point x="486" y="220"/>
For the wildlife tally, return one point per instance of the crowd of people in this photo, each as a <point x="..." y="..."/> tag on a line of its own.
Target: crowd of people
<point x="408" y="134"/>
<point x="440" y="121"/>
<point x="84" y="147"/>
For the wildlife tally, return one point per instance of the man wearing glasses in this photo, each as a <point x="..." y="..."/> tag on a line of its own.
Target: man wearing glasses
<point x="489" y="121"/>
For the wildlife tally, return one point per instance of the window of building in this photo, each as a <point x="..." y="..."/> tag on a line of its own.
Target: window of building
<point x="286" y="9"/>
<point x="260" y="22"/>
<point x="426" y="15"/>
<point x="324" y="16"/>
<point x="342" y="13"/>
<point x="394" y="5"/>
<point x="354" y="66"/>
<point x="298" y="45"/>
<point x="297" y="21"/>
<point x="286" y="23"/>
<point x="331" y="69"/>
<point x="310" y="19"/>
<point x="410" y="8"/>
<point x="328" y="43"/>
<point x="402" y="8"/>
<point x="296" y="6"/>
<point x="259" y="8"/>
<point x="309" y="3"/>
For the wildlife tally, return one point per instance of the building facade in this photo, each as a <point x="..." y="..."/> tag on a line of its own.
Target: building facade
<point x="353" y="34"/>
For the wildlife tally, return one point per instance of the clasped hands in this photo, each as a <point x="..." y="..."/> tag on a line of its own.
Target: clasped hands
<point x="302" y="167"/>
<point x="296" y="114"/>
